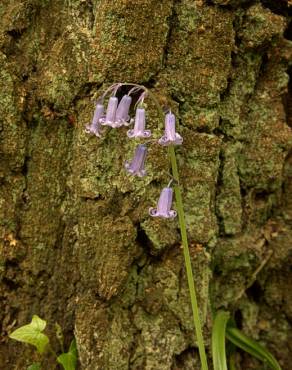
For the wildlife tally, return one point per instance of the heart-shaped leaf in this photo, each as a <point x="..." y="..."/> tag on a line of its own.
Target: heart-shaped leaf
<point x="32" y="334"/>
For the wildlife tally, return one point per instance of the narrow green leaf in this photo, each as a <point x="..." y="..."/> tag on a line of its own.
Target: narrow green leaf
<point x="32" y="334"/>
<point x="218" y="340"/>
<point x="73" y="347"/>
<point x="252" y="347"/>
<point x="34" y="366"/>
<point x="232" y="365"/>
<point x="69" y="360"/>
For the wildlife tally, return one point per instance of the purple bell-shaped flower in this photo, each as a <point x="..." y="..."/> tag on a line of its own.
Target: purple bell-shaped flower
<point x="94" y="127"/>
<point x="136" y="167"/>
<point x="122" y="113"/>
<point x="139" y="127"/>
<point x="164" y="205"/>
<point x="110" y="117"/>
<point x="170" y="137"/>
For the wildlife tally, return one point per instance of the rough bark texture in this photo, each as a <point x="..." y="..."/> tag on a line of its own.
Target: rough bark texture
<point x="77" y="245"/>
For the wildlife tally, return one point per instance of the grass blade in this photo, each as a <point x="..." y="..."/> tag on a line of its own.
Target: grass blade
<point x="252" y="347"/>
<point x="218" y="340"/>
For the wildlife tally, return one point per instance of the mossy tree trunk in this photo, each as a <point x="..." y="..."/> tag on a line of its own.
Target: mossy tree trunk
<point x="77" y="245"/>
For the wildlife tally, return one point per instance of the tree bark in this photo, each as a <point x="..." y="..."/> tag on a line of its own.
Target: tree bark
<point x="77" y="245"/>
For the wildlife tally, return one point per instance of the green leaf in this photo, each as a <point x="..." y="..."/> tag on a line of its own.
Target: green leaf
<point x="231" y="362"/>
<point x="34" y="366"/>
<point x="69" y="360"/>
<point x="32" y="334"/>
<point x="252" y="347"/>
<point x="218" y="340"/>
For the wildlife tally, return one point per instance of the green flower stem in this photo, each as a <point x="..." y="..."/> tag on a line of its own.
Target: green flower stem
<point x="232" y="365"/>
<point x="183" y="231"/>
<point x="188" y="264"/>
<point x="186" y="251"/>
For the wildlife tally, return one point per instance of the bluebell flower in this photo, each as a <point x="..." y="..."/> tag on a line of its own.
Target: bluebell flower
<point x="110" y="117"/>
<point x="139" y="127"/>
<point x="164" y="205"/>
<point x="94" y="127"/>
<point x="122" y="113"/>
<point x="136" y="166"/>
<point x="170" y="137"/>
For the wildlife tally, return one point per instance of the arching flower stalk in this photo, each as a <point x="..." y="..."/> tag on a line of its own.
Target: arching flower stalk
<point x="117" y="115"/>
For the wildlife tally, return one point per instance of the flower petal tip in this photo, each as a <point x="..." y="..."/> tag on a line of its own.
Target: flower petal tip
<point x="92" y="130"/>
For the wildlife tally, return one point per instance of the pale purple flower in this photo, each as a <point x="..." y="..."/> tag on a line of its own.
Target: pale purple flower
<point x="136" y="167"/>
<point x="139" y="127"/>
<point x="94" y="127"/>
<point x="164" y="205"/>
<point x="122" y="113"/>
<point x="170" y="137"/>
<point x="110" y="117"/>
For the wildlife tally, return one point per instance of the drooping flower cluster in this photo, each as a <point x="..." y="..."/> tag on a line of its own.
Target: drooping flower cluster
<point x="117" y="115"/>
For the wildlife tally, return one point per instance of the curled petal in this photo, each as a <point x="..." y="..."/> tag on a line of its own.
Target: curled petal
<point x="153" y="212"/>
<point x="132" y="133"/>
<point x="172" y="214"/>
<point x="164" y="141"/>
